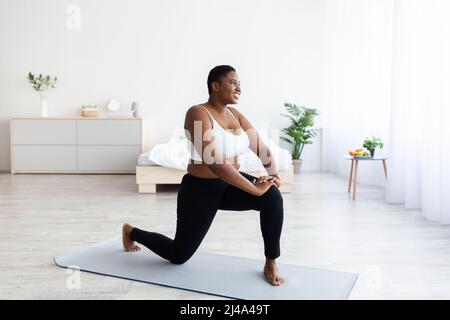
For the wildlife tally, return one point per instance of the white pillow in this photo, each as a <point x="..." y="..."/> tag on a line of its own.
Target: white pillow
<point x="175" y="154"/>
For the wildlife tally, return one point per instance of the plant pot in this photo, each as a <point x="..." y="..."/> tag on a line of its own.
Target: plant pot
<point x="44" y="108"/>
<point x="297" y="165"/>
<point x="372" y="152"/>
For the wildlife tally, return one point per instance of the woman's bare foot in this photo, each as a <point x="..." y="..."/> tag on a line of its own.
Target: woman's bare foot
<point x="271" y="273"/>
<point x="128" y="244"/>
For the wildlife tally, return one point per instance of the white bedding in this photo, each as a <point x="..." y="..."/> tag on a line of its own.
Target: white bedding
<point x="175" y="154"/>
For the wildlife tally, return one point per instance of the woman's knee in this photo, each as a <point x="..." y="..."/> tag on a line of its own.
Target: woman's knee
<point x="181" y="258"/>
<point x="273" y="197"/>
<point x="178" y="261"/>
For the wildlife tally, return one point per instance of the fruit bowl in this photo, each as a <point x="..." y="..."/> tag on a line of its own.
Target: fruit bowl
<point x="360" y="153"/>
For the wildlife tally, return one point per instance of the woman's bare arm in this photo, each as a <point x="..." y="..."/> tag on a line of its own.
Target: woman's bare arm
<point x="256" y="144"/>
<point x="197" y="123"/>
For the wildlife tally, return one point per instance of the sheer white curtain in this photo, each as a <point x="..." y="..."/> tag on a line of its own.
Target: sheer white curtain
<point x="387" y="73"/>
<point x="356" y="92"/>
<point x="420" y="110"/>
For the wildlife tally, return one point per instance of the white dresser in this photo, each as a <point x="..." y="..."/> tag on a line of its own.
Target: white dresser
<point x="75" y="144"/>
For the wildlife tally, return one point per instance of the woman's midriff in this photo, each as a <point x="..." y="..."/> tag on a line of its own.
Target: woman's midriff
<point x="201" y="170"/>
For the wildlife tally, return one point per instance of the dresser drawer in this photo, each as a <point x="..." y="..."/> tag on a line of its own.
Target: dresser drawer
<point x="109" y="132"/>
<point x="43" y="132"/>
<point x="44" y="158"/>
<point x="108" y="158"/>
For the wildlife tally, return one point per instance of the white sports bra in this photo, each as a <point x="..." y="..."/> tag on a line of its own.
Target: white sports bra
<point x="227" y="145"/>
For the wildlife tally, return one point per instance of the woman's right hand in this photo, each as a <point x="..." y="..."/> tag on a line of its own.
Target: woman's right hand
<point x="261" y="188"/>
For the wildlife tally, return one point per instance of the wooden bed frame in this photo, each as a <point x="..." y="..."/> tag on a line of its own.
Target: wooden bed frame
<point x="148" y="177"/>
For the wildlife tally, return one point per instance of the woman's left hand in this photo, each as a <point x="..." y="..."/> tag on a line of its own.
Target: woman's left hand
<point x="275" y="178"/>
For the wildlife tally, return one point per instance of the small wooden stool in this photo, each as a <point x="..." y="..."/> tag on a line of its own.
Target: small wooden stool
<point x="354" y="176"/>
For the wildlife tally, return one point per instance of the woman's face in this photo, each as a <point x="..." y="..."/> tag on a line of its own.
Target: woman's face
<point x="229" y="89"/>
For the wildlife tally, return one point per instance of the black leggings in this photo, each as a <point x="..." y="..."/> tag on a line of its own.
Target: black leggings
<point x="197" y="203"/>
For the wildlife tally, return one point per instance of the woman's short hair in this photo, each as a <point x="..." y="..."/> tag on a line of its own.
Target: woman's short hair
<point x="216" y="73"/>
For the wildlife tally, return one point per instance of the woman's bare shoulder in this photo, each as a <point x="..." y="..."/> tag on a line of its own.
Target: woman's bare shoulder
<point x="196" y="112"/>
<point x="235" y="112"/>
<point x="195" y="109"/>
<point x="243" y="121"/>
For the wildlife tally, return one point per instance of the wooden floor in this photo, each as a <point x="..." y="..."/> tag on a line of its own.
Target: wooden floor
<point x="398" y="254"/>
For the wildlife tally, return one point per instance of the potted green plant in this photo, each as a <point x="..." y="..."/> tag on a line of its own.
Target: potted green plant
<point x="300" y="132"/>
<point x="41" y="84"/>
<point x="372" y="143"/>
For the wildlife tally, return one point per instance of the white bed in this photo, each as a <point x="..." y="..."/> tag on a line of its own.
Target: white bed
<point x="167" y="163"/>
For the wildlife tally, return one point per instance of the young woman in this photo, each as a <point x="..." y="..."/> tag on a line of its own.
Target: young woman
<point x="218" y="134"/>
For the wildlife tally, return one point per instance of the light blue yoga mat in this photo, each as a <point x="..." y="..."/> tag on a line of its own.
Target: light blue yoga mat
<point x="215" y="274"/>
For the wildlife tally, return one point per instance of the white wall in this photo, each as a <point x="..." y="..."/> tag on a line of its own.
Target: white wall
<point x="159" y="53"/>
